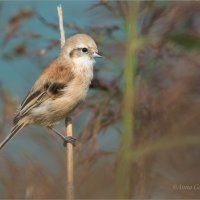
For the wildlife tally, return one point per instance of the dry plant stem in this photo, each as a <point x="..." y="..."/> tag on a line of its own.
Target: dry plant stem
<point x="69" y="160"/>
<point x="62" y="32"/>
<point x="68" y="127"/>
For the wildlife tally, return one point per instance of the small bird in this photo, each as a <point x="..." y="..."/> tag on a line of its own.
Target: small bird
<point x="60" y="88"/>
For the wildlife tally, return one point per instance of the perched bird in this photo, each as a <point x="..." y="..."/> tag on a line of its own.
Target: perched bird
<point x="61" y="87"/>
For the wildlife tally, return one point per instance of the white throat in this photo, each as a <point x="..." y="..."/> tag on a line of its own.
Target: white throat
<point x="84" y="67"/>
<point x="84" y="62"/>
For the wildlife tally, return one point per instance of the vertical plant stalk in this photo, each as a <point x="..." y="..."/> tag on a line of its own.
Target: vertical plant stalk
<point x="62" y="31"/>
<point x="124" y="169"/>
<point x="68" y="127"/>
<point x="69" y="160"/>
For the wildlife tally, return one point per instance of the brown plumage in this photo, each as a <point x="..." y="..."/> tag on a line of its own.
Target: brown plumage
<point x="61" y="87"/>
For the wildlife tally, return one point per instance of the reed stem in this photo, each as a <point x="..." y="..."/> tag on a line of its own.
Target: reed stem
<point x="68" y="127"/>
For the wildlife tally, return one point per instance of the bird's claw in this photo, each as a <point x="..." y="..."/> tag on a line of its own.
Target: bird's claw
<point x="69" y="139"/>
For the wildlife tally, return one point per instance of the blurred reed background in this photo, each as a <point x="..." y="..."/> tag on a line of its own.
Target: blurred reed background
<point x="138" y="130"/>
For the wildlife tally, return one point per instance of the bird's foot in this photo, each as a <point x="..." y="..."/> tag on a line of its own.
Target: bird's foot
<point x="69" y="139"/>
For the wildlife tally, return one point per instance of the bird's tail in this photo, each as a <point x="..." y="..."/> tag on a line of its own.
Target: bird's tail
<point x="13" y="132"/>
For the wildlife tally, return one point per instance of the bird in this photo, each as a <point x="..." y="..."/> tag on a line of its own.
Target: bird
<point x="60" y="88"/>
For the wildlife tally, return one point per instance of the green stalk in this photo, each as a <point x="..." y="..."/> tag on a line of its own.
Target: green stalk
<point x="124" y="158"/>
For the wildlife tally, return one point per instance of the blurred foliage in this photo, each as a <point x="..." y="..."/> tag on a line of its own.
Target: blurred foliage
<point x="138" y="130"/>
<point x="185" y="40"/>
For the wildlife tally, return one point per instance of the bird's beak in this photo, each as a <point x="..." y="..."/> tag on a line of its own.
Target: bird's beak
<point x="96" y="55"/>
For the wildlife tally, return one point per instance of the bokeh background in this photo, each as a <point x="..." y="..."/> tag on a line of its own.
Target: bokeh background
<point x="138" y="130"/>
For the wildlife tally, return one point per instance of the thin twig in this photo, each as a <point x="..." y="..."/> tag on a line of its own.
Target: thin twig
<point x="70" y="160"/>
<point x="68" y="128"/>
<point x="62" y="32"/>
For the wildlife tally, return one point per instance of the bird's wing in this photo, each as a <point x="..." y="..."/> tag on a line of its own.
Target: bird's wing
<point x="32" y="100"/>
<point x="50" y="85"/>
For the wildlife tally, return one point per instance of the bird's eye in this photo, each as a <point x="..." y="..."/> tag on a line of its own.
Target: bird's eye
<point x="84" y="50"/>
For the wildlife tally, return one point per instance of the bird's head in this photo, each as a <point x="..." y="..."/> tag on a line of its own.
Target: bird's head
<point x="80" y="47"/>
